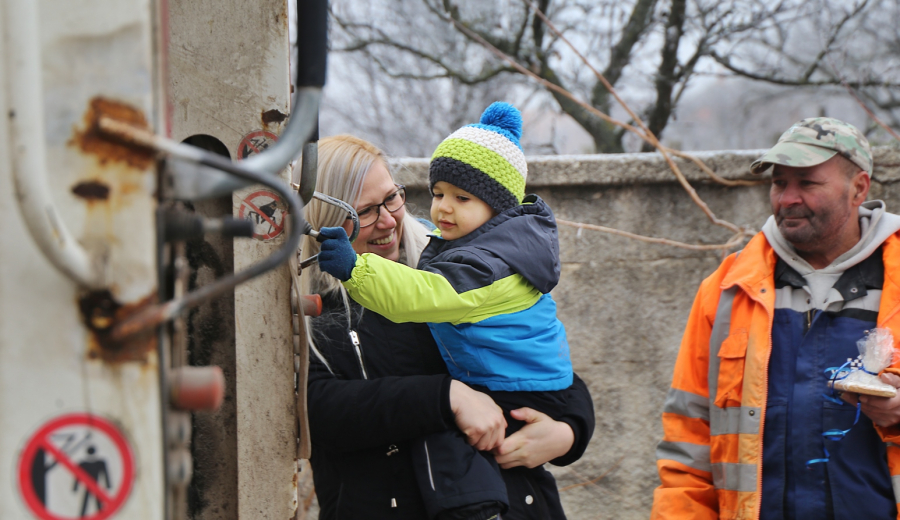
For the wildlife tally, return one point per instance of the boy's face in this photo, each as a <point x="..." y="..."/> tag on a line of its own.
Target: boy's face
<point x="457" y="212"/>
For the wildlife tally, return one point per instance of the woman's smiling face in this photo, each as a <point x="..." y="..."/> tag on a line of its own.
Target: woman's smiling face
<point x="383" y="237"/>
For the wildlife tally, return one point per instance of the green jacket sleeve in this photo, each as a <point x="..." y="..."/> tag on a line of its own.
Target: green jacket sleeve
<point x="403" y="294"/>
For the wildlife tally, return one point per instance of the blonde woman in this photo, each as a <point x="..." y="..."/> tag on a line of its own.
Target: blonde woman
<point x="375" y="385"/>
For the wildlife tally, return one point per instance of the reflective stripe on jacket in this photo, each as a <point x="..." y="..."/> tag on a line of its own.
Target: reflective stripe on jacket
<point x="710" y="458"/>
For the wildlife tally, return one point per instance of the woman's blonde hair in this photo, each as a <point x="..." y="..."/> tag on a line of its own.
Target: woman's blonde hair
<point x="343" y="163"/>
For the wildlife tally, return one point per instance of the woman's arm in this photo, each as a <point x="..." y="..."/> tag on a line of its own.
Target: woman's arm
<point x="543" y="440"/>
<point x="347" y="415"/>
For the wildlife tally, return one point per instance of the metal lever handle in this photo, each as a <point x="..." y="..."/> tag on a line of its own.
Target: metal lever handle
<point x="308" y="230"/>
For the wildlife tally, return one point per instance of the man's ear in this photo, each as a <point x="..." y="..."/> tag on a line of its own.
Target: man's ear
<point x="860" y="184"/>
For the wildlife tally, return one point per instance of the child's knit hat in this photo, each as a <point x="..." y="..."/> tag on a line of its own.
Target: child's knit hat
<point x="485" y="159"/>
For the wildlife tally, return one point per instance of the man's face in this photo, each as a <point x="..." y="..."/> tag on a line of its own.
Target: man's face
<point x="815" y="207"/>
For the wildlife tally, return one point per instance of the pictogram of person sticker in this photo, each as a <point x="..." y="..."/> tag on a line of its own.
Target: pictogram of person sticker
<point x="255" y="142"/>
<point x="76" y="467"/>
<point x="267" y="212"/>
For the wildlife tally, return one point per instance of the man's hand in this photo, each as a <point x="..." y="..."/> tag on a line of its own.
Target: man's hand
<point x="477" y="416"/>
<point x="541" y="440"/>
<point x="884" y="411"/>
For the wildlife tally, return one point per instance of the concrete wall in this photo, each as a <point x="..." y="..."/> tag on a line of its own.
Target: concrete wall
<point x="625" y="303"/>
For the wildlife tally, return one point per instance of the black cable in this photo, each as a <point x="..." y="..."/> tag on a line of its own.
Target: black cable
<point x="312" y="42"/>
<point x="157" y="314"/>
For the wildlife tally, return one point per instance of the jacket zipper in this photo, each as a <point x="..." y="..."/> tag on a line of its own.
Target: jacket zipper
<point x="354" y="338"/>
<point x="428" y="462"/>
<point x="765" y="394"/>
<point x="762" y="425"/>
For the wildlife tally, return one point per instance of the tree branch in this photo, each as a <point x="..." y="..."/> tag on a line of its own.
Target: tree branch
<point x="732" y="242"/>
<point x="665" y="76"/>
<point x="725" y="62"/>
<point x="644" y="133"/>
<point x="638" y="22"/>
<point x="831" y="39"/>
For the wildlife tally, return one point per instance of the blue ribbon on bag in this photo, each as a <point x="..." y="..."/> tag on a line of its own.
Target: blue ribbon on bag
<point x="836" y="374"/>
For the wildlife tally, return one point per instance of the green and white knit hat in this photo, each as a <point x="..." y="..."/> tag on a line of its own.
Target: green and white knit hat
<point x="485" y="159"/>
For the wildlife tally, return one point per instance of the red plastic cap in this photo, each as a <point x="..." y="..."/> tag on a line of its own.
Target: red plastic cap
<point x="312" y="305"/>
<point x="197" y="388"/>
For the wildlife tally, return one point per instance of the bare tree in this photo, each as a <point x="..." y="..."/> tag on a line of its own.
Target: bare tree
<point x="650" y="50"/>
<point x="828" y="46"/>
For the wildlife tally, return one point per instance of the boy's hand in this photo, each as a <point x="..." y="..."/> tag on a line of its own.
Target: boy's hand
<point x="337" y="257"/>
<point x="477" y="416"/>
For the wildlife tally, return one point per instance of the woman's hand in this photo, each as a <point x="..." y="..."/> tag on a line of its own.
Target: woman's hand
<point x="477" y="416"/>
<point x="541" y="440"/>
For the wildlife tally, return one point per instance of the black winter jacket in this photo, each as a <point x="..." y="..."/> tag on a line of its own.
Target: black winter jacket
<point x="361" y="427"/>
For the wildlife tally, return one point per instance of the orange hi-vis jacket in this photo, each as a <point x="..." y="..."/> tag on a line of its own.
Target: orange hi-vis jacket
<point x="710" y="458"/>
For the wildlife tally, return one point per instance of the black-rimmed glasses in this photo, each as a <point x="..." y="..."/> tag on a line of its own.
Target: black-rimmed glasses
<point x="393" y="202"/>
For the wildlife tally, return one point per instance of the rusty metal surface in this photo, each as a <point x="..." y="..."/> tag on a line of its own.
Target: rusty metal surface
<point x="272" y="116"/>
<point x="213" y="490"/>
<point x="91" y="190"/>
<point x="54" y="359"/>
<point x="92" y="141"/>
<point x="99" y="313"/>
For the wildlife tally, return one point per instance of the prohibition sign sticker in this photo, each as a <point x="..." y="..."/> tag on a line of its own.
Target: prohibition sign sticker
<point x="267" y="213"/>
<point x="76" y="467"/>
<point x="255" y="142"/>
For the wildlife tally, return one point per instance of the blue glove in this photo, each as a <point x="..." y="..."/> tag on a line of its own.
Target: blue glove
<point x="337" y="257"/>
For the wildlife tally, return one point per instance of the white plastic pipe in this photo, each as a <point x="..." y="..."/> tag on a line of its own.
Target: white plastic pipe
<point x="24" y="91"/>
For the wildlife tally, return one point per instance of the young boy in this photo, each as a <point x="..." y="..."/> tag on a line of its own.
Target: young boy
<point x="483" y="287"/>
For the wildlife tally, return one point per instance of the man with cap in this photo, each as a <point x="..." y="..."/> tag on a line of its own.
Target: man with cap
<point x="751" y="427"/>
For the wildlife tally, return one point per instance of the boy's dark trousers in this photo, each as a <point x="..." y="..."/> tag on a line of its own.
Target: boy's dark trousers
<point x="452" y="474"/>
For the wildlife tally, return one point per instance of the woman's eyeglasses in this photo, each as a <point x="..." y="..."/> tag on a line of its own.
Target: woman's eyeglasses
<point x="393" y="202"/>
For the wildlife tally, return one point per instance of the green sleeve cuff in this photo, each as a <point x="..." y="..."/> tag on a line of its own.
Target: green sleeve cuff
<point x="359" y="273"/>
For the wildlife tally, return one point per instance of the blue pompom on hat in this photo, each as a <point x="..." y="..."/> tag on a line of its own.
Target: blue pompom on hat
<point x="485" y="158"/>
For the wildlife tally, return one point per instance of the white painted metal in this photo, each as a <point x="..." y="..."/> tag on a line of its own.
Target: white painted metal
<point x="24" y="96"/>
<point x="50" y="363"/>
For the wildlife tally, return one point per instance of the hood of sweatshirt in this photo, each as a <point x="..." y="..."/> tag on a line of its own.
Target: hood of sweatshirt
<point x="876" y="225"/>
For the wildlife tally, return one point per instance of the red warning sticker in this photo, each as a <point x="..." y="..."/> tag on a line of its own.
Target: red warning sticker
<point x="255" y="142"/>
<point x="266" y="211"/>
<point x="76" y="467"/>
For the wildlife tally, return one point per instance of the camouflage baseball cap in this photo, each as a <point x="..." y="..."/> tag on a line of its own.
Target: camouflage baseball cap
<point x="813" y="141"/>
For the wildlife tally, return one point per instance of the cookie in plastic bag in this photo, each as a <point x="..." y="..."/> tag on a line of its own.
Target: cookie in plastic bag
<point x="860" y="375"/>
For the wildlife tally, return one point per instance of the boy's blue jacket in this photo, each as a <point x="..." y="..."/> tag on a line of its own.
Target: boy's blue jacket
<point x="485" y="297"/>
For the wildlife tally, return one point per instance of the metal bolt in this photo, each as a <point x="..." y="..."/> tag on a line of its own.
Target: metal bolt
<point x="180" y="467"/>
<point x="178" y="429"/>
